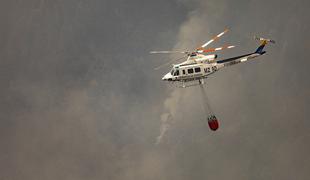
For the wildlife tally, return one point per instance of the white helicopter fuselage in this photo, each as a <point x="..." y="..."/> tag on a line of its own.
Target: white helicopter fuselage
<point x="201" y="66"/>
<point x="194" y="68"/>
<point x="191" y="72"/>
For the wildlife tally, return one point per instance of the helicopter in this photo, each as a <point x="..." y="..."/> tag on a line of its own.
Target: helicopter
<point x="200" y="64"/>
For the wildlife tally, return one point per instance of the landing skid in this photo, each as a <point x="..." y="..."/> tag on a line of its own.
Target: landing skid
<point x="185" y="84"/>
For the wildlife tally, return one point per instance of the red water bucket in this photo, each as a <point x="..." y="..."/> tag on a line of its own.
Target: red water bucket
<point x="213" y="123"/>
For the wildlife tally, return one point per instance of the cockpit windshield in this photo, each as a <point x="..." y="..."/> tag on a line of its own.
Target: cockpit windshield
<point x="174" y="72"/>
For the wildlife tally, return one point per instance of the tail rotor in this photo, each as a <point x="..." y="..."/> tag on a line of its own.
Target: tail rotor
<point x="263" y="40"/>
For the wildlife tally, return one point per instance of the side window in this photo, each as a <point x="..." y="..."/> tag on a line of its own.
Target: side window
<point x="197" y="70"/>
<point x="183" y="71"/>
<point x="190" y="71"/>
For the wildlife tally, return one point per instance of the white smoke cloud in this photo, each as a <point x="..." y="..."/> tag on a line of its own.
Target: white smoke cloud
<point x="167" y="118"/>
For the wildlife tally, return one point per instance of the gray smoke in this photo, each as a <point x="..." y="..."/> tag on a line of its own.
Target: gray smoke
<point x="80" y="98"/>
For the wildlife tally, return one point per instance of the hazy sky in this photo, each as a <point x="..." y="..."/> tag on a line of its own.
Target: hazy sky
<point x="80" y="99"/>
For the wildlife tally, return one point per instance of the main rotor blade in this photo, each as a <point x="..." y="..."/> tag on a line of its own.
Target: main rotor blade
<point x="169" y="62"/>
<point x="167" y="52"/>
<point x="214" y="38"/>
<point x="201" y="50"/>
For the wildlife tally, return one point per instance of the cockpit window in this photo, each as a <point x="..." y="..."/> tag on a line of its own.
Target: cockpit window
<point x="176" y="73"/>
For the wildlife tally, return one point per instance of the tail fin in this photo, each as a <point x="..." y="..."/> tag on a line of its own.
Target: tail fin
<point x="263" y="41"/>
